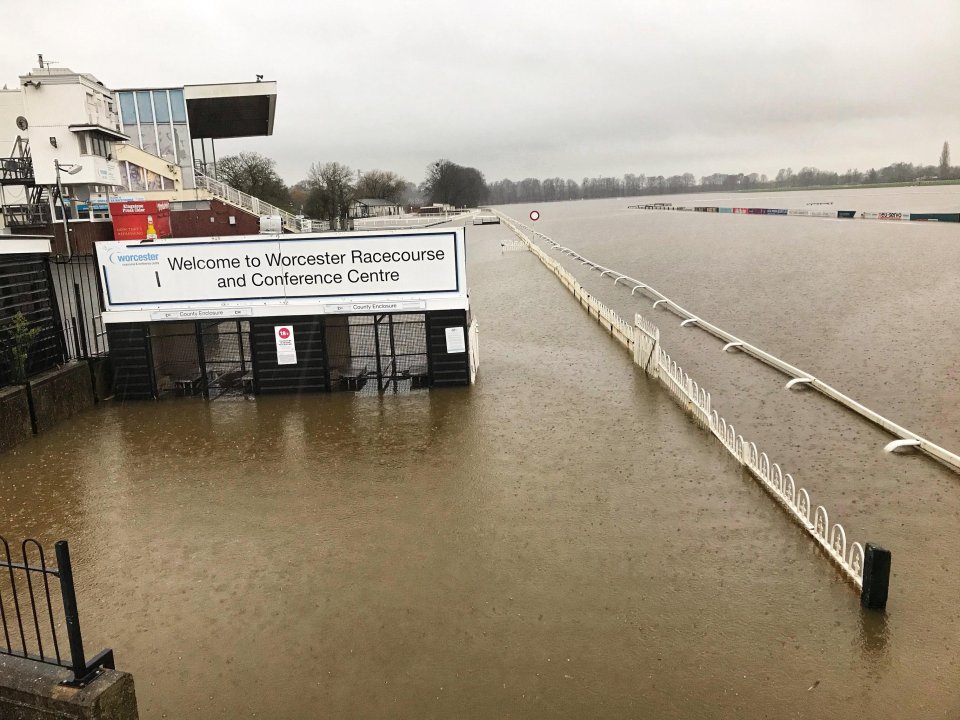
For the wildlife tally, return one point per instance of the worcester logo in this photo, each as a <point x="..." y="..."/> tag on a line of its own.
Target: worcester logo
<point x="127" y="257"/>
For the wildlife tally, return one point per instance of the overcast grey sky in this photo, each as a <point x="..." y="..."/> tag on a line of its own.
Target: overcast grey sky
<point x="566" y="88"/>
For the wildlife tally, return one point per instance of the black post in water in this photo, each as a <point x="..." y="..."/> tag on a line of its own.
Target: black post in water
<point x="78" y="661"/>
<point x="876" y="578"/>
<point x="81" y="316"/>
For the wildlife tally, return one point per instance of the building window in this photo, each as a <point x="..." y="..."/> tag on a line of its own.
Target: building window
<point x="183" y="145"/>
<point x="160" y="107"/>
<point x="92" y="143"/>
<point x="136" y="177"/>
<point x="124" y="180"/>
<point x="144" y="107"/>
<point x="127" y="108"/>
<point x="149" y="139"/>
<point x="177" y="108"/>
<point x="165" y="135"/>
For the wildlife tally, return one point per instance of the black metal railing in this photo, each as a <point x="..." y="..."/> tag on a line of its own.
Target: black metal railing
<point x="16" y="171"/>
<point x="31" y="619"/>
<point x="75" y="284"/>
<point x="27" y="215"/>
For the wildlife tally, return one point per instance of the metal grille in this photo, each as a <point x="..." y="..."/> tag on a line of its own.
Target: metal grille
<point x="78" y="298"/>
<point x="225" y="354"/>
<point x="25" y="289"/>
<point x="378" y="353"/>
<point x="207" y="358"/>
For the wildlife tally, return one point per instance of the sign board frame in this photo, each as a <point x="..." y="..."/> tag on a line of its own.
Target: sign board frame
<point x="182" y="279"/>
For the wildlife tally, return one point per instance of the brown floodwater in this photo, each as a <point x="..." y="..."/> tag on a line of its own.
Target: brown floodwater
<point x="559" y="540"/>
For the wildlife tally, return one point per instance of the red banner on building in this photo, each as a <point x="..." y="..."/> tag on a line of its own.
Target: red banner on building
<point x="141" y="219"/>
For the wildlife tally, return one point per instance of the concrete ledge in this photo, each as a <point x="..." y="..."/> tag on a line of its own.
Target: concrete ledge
<point x="15" y="422"/>
<point x="59" y="394"/>
<point x="32" y="691"/>
<point x="101" y="369"/>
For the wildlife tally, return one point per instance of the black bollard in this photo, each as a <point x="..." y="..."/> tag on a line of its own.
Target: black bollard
<point x="876" y="578"/>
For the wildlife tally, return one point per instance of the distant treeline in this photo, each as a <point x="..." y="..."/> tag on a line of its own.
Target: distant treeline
<point x="630" y="185"/>
<point x="331" y="187"/>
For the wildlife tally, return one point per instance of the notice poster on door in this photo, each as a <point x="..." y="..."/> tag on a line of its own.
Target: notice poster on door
<point x="455" y="340"/>
<point x="286" y="346"/>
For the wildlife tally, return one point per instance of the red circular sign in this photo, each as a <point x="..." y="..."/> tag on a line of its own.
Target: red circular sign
<point x="534" y="215"/>
<point x="284" y="333"/>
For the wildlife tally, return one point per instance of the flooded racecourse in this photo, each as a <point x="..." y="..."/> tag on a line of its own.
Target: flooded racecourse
<point x="558" y="540"/>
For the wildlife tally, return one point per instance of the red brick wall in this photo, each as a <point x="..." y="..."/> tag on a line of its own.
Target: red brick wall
<point x="214" y="222"/>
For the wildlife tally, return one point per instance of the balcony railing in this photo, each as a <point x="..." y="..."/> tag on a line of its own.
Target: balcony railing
<point x="17" y="171"/>
<point x="27" y="215"/>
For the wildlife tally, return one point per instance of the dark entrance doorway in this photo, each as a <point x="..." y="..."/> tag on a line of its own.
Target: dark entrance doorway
<point x="378" y="353"/>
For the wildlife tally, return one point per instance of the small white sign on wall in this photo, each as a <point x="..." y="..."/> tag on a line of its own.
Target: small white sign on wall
<point x="455" y="340"/>
<point x="286" y="345"/>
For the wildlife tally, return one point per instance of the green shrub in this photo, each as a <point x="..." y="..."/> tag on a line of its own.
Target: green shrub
<point x="20" y="338"/>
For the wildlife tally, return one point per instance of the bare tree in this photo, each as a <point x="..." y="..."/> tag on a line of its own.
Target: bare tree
<point x="331" y="192"/>
<point x="945" y="161"/>
<point x="256" y="175"/>
<point x="382" y="184"/>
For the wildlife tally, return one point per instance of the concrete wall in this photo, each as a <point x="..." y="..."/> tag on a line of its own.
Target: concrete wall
<point x="60" y="394"/>
<point x="15" y="424"/>
<point x="32" y="691"/>
<point x="55" y="100"/>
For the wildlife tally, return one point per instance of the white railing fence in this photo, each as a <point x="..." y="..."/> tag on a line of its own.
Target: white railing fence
<point x="296" y="224"/>
<point x="642" y="340"/>
<point x="798" y="378"/>
<point x="396" y="222"/>
<point x="246" y="202"/>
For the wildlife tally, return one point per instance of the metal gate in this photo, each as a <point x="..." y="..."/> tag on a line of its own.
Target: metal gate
<point x="378" y="353"/>
<point x="225" y="357"/>
<point x="75" y="283"/>
<point x="205" y="358"/>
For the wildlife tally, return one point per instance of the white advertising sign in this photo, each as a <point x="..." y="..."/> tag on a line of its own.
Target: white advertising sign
<point x="455" y="341"/>
<point x="286" y="345"/>
<point x="387" y="270"/>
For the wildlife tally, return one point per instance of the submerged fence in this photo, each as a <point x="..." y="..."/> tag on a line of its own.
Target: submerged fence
<point x="32" y="620"/>
<point x="867" y="567"/>
<point x="799" y="378"/>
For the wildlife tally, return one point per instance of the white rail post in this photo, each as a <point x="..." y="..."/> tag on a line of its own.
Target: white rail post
<point x="654" y="365"/>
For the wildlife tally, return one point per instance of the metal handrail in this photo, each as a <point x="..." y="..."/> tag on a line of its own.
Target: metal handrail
<point x="396" y="221"/>
<point x="244" y="201"/>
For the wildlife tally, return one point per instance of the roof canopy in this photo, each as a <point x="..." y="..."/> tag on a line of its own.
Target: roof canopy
<point x="100" y="129"/>
<point x="231" y="109"/>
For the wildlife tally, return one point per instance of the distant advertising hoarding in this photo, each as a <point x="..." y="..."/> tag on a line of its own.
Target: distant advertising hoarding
<point x="140" y="219"/>
<point x="408" y="270"/>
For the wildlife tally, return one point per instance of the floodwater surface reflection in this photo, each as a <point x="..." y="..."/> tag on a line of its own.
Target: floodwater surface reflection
<point x="557" y="541"/>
